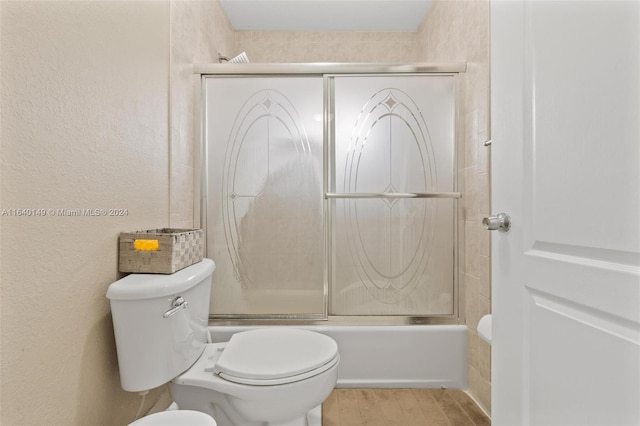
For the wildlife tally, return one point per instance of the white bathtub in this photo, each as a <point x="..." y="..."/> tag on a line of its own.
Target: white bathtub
<point x="394" y="356"/>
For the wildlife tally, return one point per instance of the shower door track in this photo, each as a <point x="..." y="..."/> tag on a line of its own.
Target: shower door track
<point x="330" y="70"/>
<point x="335" y="320"/>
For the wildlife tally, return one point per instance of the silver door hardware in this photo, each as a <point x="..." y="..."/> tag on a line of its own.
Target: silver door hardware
<point x="177" y="304"/>
<point x="501" y="222"/>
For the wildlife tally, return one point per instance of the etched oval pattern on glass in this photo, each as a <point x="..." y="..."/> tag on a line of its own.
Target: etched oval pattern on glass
<point x="268" y="193"/>
<point x="390" y="152"/>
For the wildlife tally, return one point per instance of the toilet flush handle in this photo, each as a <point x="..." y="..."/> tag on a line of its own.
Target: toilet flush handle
<point x="177" y="304"/>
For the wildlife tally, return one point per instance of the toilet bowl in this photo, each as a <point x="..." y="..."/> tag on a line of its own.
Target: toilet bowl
<point x="265" y="377"/>
<point x="176" y="418"/>
<point x="272" y="375"/>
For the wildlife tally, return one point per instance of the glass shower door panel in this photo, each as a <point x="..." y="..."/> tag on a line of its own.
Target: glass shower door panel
<point x="265" y="209"/>
<point x="391" y="255"/>
<point x="393" y="258"/>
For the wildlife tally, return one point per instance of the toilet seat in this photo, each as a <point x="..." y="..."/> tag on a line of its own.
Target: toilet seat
<point x="281" y="380"/>
<point x="273" y="356"/>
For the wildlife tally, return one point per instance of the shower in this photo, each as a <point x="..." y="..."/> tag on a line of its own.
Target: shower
<point x="330" y="192"/>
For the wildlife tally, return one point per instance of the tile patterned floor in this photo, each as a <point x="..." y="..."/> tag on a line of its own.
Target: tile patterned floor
<point x="401" y="407"/>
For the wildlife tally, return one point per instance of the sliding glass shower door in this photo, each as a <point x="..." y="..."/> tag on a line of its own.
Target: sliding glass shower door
<point x="331" y="195"/>
<point x="265" y="224"/>
<point x="392" y="234"/>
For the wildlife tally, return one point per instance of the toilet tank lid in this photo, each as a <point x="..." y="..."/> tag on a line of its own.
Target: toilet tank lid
<point x="148" y="286"/>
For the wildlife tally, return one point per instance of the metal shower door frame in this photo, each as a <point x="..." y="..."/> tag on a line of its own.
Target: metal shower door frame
<point x="328" y="72"/>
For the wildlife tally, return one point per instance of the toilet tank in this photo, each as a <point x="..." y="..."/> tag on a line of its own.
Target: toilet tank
<point x="160" y="323"/>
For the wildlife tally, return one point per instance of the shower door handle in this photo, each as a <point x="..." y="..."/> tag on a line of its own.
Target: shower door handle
<point x="330" y="195"/>
<point x="501" y="222"/>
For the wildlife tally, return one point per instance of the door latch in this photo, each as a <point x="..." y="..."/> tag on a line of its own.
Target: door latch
<point x="501" y="222"/>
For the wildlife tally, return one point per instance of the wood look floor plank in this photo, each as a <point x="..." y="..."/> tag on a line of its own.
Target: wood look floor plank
<point x="348" y="411"/>
<point x="369" y="409"/>
<point x="452" y="409"/>
<point x="330" y="415"/>
<point x="411" y="410"/>
<point x="389" y="407"/>
<point x="401" y="407"/>
<point x="469" y="406"/>
<point x="430" y="407"/>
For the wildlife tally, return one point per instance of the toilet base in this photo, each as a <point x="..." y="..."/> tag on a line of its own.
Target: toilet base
<point x="313" y="418"/>
<point x="223" y="408"/>
<point x="234" y="404"/>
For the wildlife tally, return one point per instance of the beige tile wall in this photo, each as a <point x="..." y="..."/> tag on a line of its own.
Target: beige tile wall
<point x="309" y="46"/>
<point x="459" y="31"/>
<point x="199" y="31"/>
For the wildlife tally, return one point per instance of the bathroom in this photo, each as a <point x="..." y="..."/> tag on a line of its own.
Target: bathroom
<point x="98" y="113"/>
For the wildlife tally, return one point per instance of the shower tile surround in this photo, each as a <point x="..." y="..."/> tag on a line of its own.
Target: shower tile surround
<point x="452" y="31"/>
<point x="309" y="46"/>
<point x="459" y="31"/>
<point x="199" y="31"/>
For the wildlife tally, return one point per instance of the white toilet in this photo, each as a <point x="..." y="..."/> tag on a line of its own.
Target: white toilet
<point x="266" y="377"/>
<point x="176" y="418"/>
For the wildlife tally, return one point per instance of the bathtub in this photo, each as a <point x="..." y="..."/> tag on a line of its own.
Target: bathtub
<point x="391" y="356"/>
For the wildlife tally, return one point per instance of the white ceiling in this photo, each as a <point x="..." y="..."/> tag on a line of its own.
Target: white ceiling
<point x="326" y="15"/>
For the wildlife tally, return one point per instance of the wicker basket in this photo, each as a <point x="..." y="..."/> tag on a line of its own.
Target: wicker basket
<point x="160" y="251"/>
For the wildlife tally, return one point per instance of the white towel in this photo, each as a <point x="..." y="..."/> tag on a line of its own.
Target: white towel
<point x="240" y="59"/>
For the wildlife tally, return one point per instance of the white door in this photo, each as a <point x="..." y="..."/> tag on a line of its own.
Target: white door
<point x="566" y="168"/>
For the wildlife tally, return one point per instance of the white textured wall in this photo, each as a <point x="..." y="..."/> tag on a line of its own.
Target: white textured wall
<point x="84" y="125"/>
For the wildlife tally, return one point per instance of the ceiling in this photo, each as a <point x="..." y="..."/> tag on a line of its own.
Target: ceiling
<point x="326" y="15"/>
